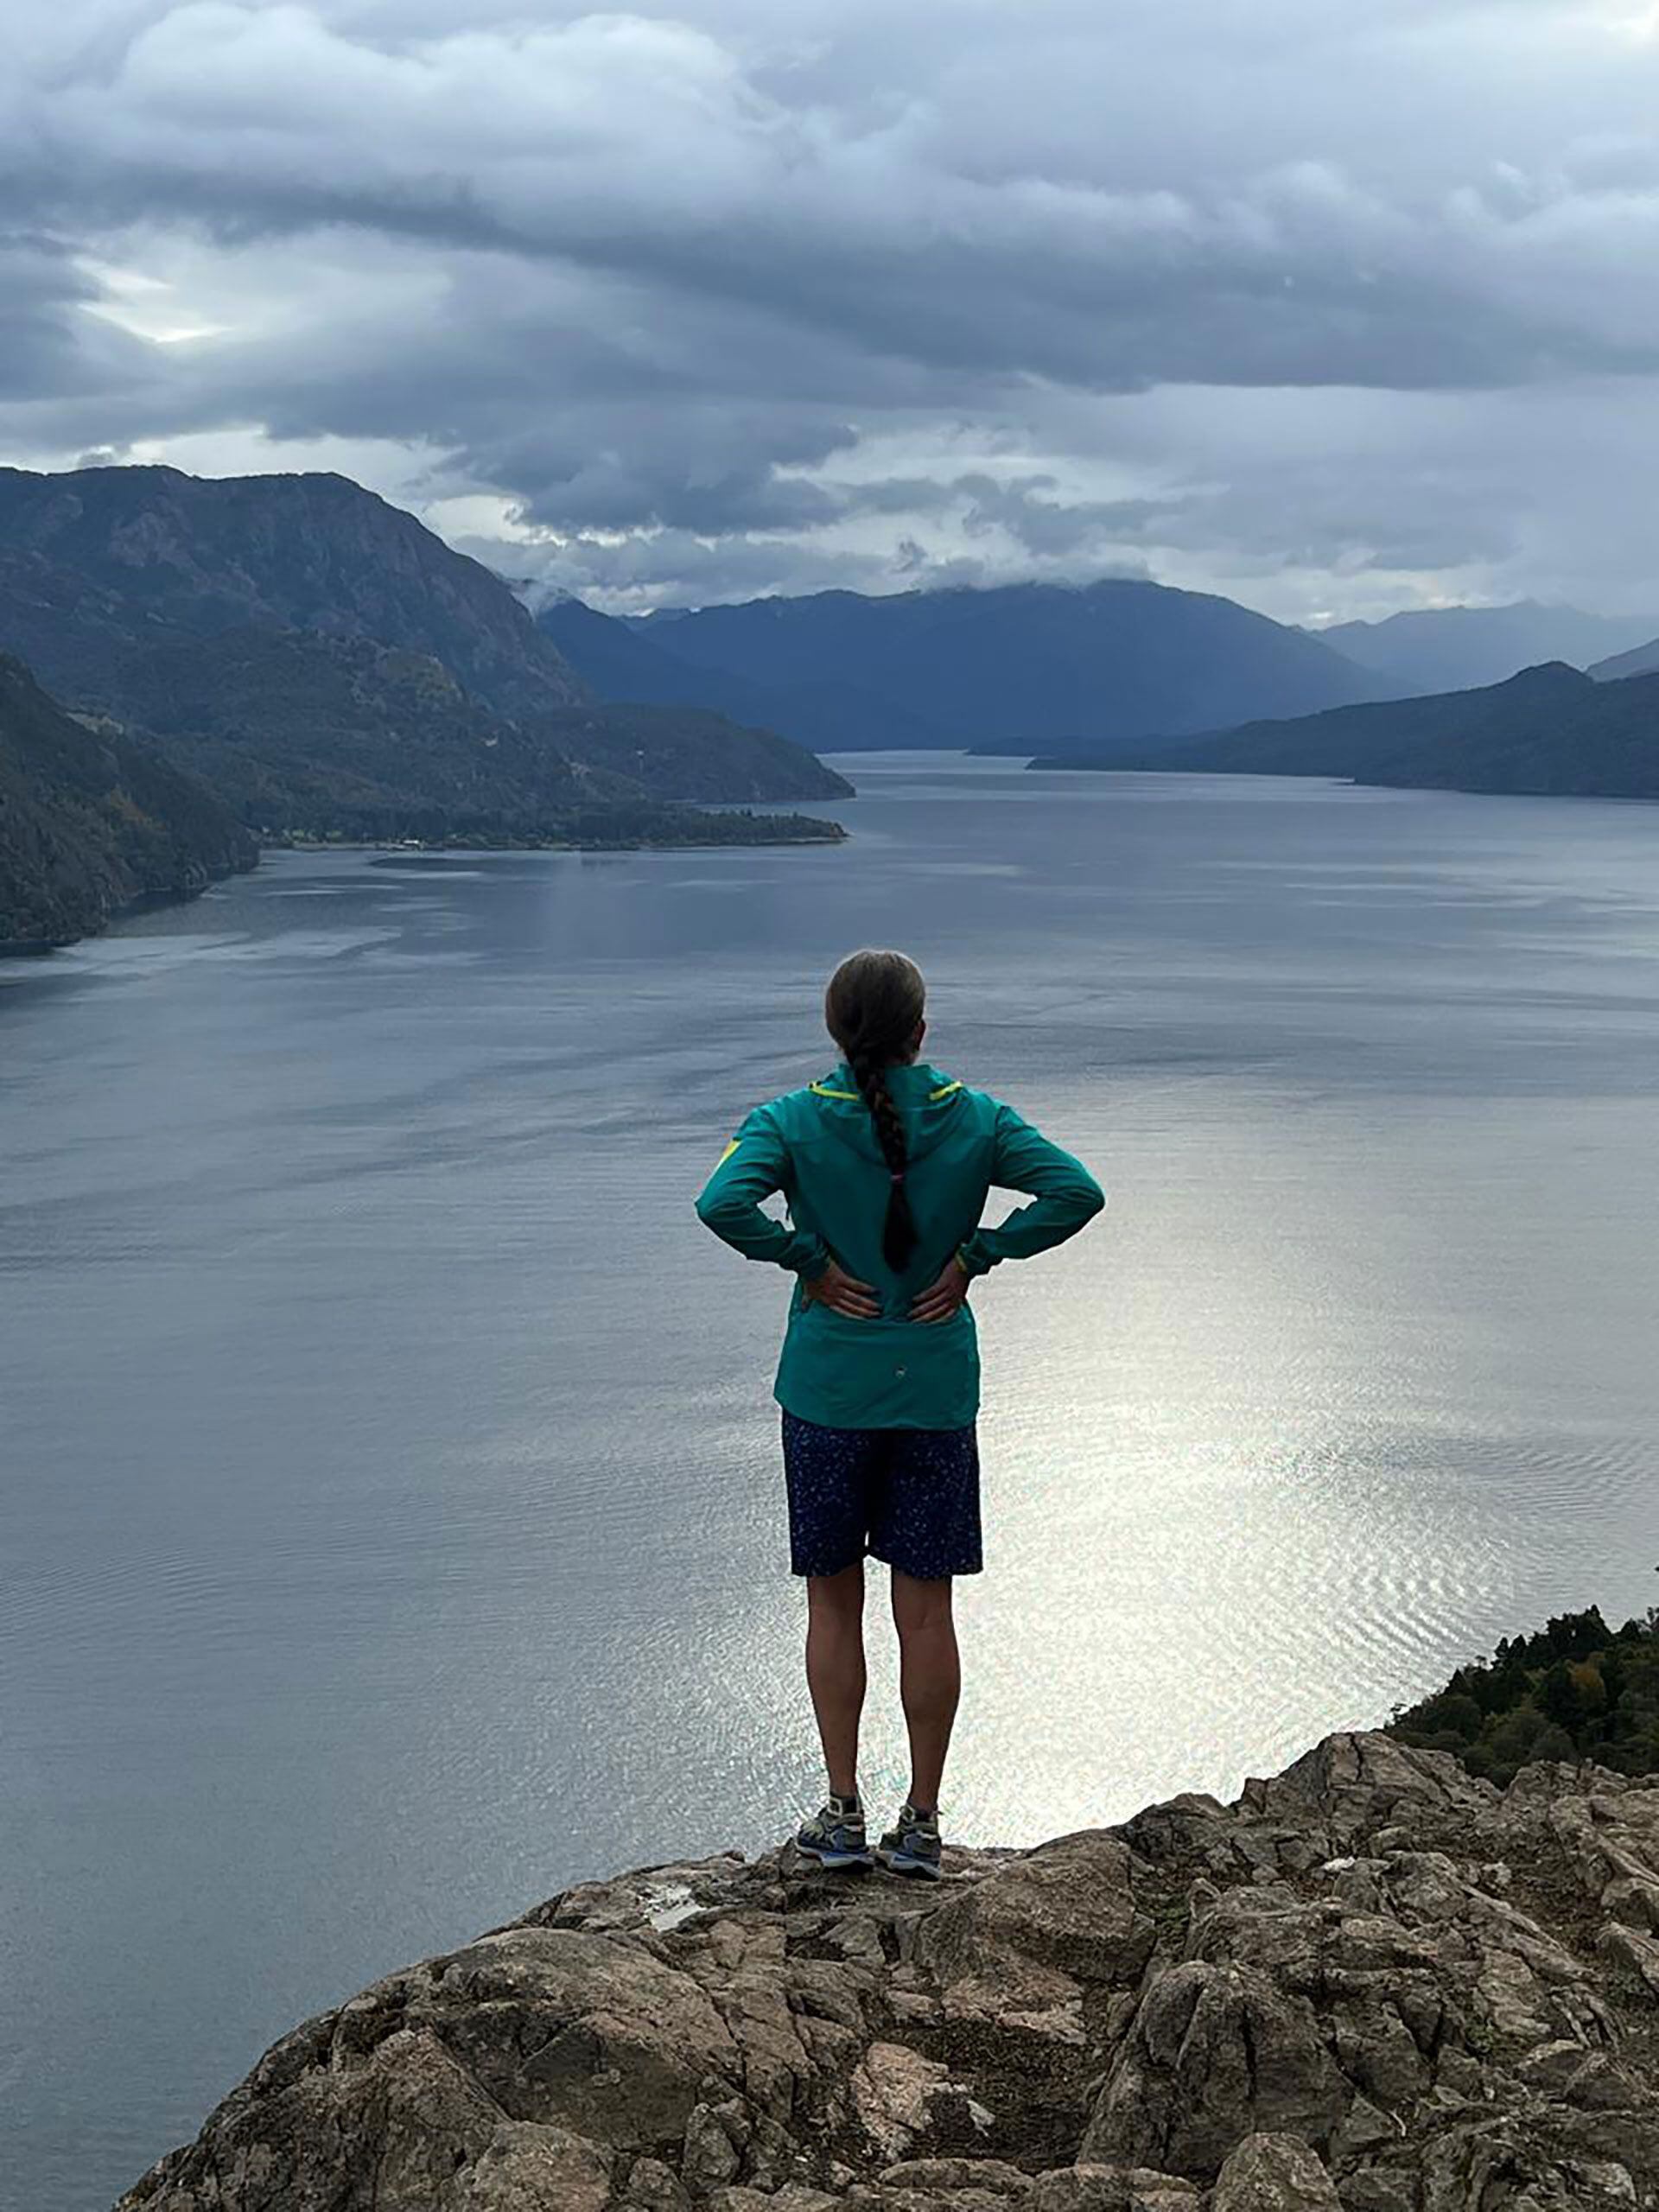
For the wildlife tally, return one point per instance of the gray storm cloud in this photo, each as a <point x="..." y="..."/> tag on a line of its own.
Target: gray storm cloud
<point x="1342" y="308"/>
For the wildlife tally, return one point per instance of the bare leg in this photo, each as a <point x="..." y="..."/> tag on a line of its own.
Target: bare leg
<point x="835" y="1668"/>
<point x="929" y="1679"/>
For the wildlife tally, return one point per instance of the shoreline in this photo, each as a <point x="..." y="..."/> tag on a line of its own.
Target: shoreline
<point x="1059" y="764"/>
<point x="146" y="902"/>
<point x="395" y="848"/>
<point x="392" y="848"/>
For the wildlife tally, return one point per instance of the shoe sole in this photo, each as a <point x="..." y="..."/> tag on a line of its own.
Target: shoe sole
<point x="838" y="1862"/>
<point x="898" y="1862"/>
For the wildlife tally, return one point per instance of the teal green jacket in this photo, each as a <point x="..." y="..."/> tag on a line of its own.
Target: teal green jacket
<point x="819" y="1148"/>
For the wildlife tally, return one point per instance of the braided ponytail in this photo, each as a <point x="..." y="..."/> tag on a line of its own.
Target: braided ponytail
<point x="873" y="1009"/>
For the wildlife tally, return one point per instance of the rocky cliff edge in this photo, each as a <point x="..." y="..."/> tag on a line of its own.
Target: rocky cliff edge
<point x="1372" y="1983"/>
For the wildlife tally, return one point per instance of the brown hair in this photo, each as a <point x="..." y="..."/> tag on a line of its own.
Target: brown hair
<point x="873" y="1008"/>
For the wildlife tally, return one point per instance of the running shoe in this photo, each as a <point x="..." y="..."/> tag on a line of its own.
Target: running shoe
<point x="911" y="1845"/>
<point x="835" y="1837"/>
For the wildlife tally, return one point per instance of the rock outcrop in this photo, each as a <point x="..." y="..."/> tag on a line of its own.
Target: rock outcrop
<point x="1373" y="1984"/>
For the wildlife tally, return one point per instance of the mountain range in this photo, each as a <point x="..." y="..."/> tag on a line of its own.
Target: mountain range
<point x="1459" y="648"/>
<point x="292" y="655"/>
<point x="1551" y="729"/>
<point x="1641" y="660"/>
<point x="1036" y="666"/>
<point x="1017" y="667"/>
<point x="322" y="664"/>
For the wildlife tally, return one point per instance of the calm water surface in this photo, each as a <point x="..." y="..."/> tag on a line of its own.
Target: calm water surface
<point x="391" y="1519"/>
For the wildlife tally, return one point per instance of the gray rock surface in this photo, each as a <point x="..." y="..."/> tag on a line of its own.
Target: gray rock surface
<point x="1371" y="1984"/>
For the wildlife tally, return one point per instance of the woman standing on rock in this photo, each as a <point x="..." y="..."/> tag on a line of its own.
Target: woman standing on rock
<point x="886" y="1165"/>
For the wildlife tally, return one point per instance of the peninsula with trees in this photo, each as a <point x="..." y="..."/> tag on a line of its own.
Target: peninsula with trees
<point x="193" y="668"/>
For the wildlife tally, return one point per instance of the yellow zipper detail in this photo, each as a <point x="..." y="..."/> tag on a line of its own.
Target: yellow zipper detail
<point x="823" y="1090"/>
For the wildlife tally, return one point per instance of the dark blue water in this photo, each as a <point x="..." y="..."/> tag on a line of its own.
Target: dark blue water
<point x="391" y="1518"/>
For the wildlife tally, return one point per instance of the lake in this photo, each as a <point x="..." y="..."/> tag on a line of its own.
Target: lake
<point x="393" y="1517"/>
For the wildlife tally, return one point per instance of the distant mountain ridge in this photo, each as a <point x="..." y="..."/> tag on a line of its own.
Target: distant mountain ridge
<point x="90" y="823"/>
<point x="632" y="659"/>
<point x="1641" y="660"/>
<point x="1015" y="665"/>
<point x="1551" y="730"/>
<point x="1461" y="648"/>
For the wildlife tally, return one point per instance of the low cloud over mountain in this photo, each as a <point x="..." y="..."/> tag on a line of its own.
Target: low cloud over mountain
<point x="1331" y="309"/>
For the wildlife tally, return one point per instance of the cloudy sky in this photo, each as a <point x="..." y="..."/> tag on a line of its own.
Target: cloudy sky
<point x="1336" y="309"/>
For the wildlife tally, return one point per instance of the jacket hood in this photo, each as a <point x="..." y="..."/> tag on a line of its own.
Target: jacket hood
<point x="928" y="1103"/>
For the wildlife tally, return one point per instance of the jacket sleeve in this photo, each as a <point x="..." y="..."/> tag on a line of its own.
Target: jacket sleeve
<point x="1065" y="1196"/>
<point x="754" y="1165"/>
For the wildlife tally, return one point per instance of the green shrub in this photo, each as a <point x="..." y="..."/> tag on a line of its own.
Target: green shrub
<point x="1574" y="1689"/>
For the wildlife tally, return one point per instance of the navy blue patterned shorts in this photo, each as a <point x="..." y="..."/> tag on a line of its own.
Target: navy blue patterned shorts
<point x="907" y="1496"/>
